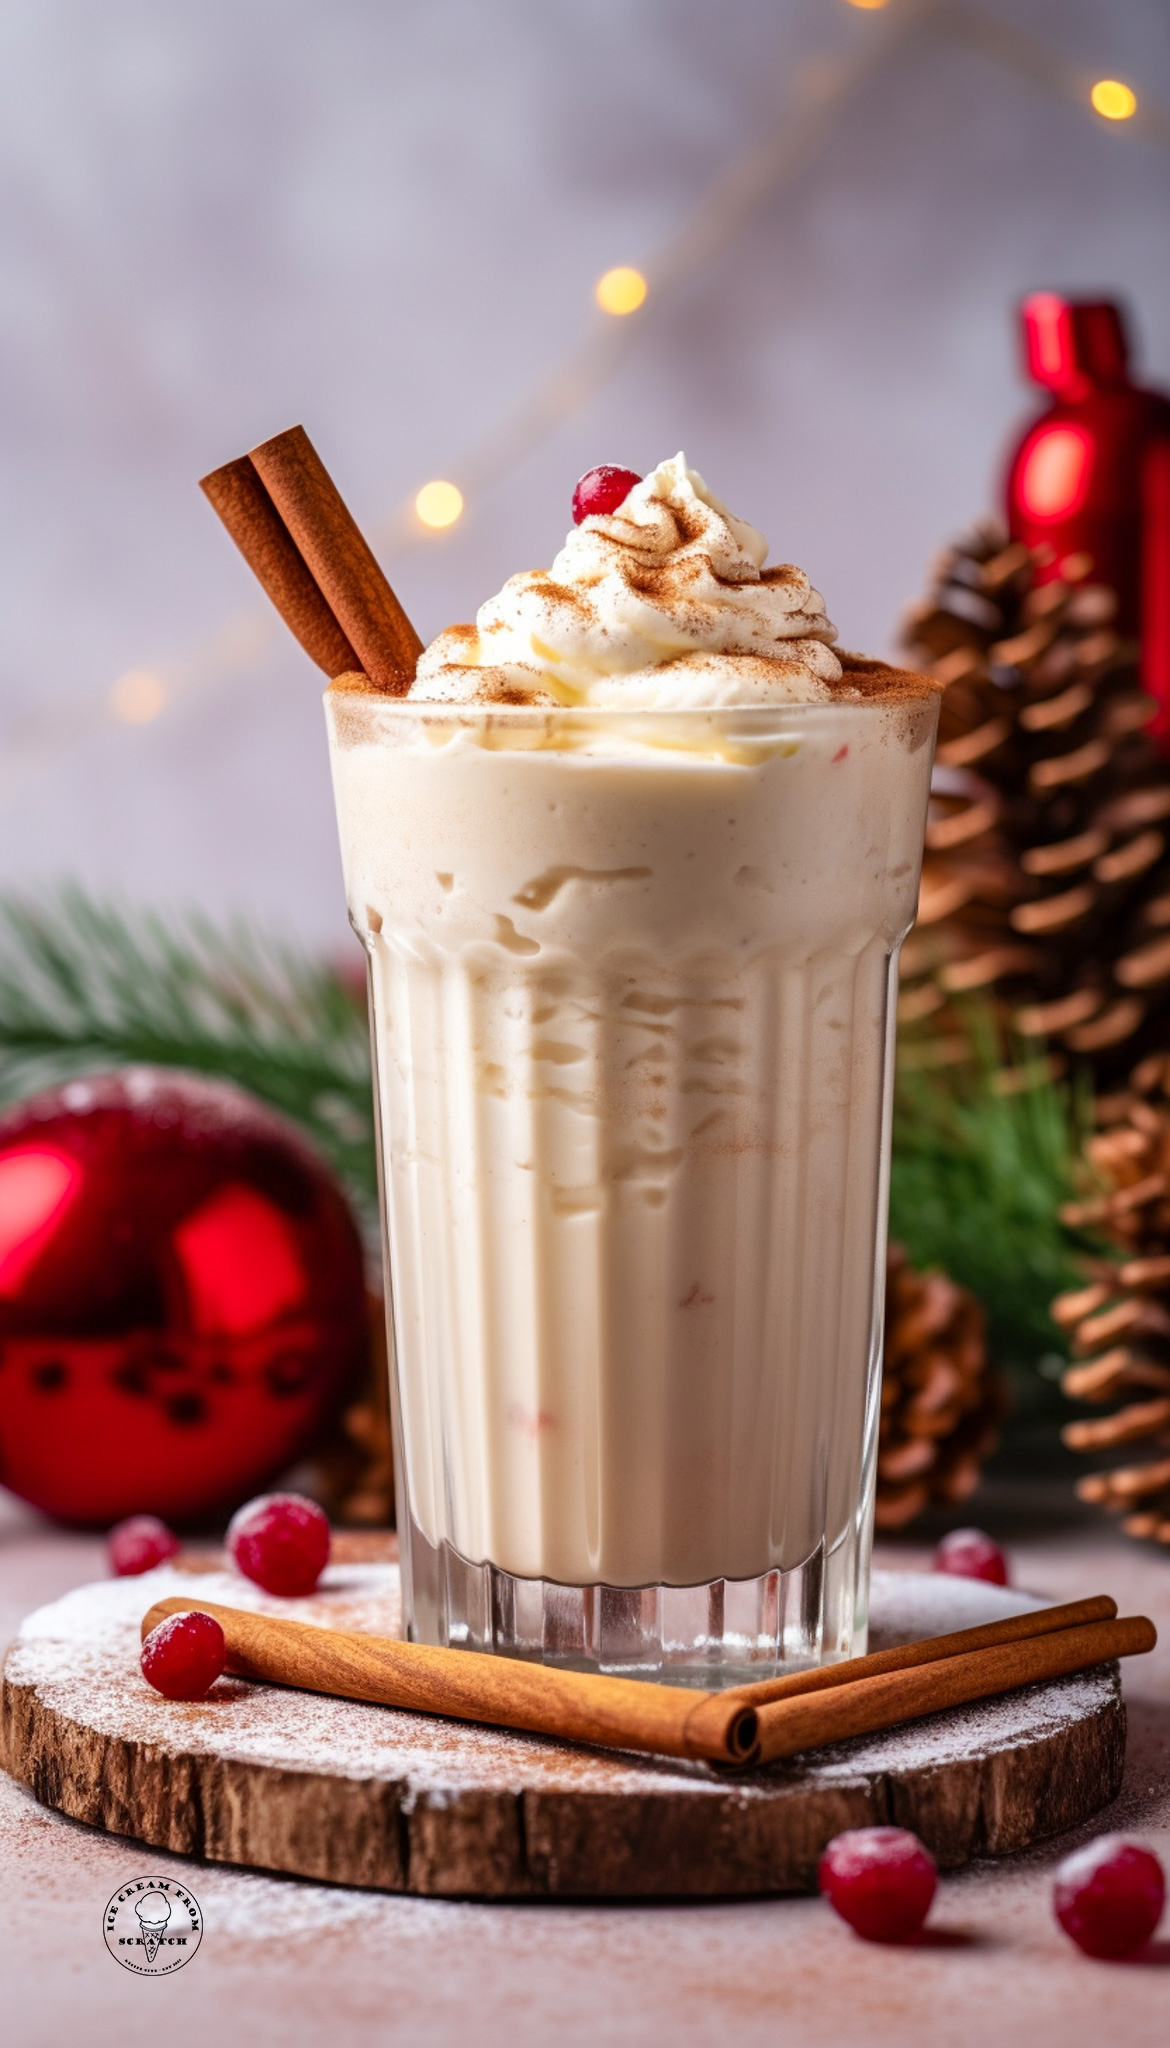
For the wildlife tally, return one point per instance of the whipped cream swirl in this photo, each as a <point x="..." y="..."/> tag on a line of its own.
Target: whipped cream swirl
<point x="663" y="604"/>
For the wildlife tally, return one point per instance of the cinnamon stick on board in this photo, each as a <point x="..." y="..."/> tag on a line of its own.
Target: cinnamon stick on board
<point x="1011" y="1628"/>
<point x="237" y="494"/>
<point x="341" y="563"/>
<point x="578" y="1706"/>
<point x="621" y="1713"/>
<point x="808" y="1722"/>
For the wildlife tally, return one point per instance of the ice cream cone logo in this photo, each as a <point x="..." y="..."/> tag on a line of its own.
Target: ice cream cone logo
<point x="153" y="1911"/>
<point x="153" y="1925"/>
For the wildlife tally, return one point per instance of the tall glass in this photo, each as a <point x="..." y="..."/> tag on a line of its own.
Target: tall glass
<point x="632" y="991"/>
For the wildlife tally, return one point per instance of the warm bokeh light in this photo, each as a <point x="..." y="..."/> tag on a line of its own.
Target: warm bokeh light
<point x="138" y="696"/>
<point x="621" y="290"/>
<point x="439" y="503"/>
<point x="868" y="6"/>
<point x="1113" y="99"/>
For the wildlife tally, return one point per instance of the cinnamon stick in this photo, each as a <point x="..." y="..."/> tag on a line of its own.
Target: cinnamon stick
<point x="1010" y="1629"/>
<point x="238" y="496"/>
<point x="578" y="1706"/>
<point x="341" y="563"/>
<point x="809" y="1722"/>
<point x="618" y="1713"/>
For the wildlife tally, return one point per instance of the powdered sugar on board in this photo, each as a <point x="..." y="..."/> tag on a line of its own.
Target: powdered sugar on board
<point x="80" y="1655"/>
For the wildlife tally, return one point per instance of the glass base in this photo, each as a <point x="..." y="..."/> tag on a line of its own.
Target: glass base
<point x="729" y="1632"/>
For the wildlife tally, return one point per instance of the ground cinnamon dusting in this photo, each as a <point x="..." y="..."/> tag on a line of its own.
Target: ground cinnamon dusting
<point x="862" y="676"/>
<point x="560" y="594"/>
<point x="872" y="678"/>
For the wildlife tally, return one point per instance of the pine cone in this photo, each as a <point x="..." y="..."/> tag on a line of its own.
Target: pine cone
<point x="942" y="1402"/>
<point x="1120" y="1322"/>
<point x="1047" y="878"/>
<point x="354" y="1469"/>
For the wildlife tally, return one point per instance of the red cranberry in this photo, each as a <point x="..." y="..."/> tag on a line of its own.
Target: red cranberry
<point x="184" y="1656"/>
<point x="602" y="490"/>
<point x="281" y="1540"/>
<point x="881" y="1880"/>
<point x="971" y="1554"/>
<point x="138" y="1544"/>
<point x="1109" y="1896"/>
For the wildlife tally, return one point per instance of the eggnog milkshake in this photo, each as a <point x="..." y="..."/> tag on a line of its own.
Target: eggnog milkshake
<point x="631" y="861"/>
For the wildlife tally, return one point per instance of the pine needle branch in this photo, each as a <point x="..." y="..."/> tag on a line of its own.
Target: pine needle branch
<point x="87" y="985"/>
<point x="980" y="1171"/>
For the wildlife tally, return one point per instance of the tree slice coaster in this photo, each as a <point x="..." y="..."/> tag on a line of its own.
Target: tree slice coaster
<point x="353" y="1794"/>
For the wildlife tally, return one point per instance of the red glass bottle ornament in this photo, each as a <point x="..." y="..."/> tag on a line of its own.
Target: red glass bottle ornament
<point x="1091" y="475"/>
<point x="181" y="1298"/>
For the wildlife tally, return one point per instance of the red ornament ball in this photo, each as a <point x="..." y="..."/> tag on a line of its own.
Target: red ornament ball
<point x="1108" y="1897"/>
<point x="281" y="1541"/>
<point x="138" y="1544"/>
<point x="182" y="1302"/>
<point x="184" y="1656"/>
<point x="602" y="490"/>
<point x="880" y="1880"/>
<point x="971" y="1554"/>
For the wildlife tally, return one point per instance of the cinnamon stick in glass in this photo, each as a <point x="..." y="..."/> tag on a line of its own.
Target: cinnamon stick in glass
<point x="339" y="559"/>
<point x="237" y="494"/>
<point x="577" y="1706"/>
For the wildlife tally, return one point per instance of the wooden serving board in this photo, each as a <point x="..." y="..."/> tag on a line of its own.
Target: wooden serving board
<point x="362" y="1795"/>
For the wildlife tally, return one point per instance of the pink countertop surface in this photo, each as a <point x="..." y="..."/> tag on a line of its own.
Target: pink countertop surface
<point x="284" y="1962"/>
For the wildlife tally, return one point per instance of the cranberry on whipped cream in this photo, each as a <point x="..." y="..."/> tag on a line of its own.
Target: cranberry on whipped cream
<point x="663" y="604"/>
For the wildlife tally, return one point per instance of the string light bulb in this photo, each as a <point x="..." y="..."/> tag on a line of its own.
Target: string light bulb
<point x="439" y="503"/>
<point x="1113" y="99"/>
<point x="621" y="290"/>
<point x="138" y="696"/>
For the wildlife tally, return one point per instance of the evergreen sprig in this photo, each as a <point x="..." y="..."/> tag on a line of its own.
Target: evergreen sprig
<point x="87" y="985"/>
<point x="985" y="1154"/>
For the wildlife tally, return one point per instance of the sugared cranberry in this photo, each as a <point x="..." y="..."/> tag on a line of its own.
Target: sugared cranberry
<point x="281" y="1540"/>
<point x="184" y="1656"/>
<point x="138" y="1544"/>
<point x="881" y="1880"/>
<point x="971" y="1554"/>
<point x="602" y="490"/>
<point x="1109" y="1896"/>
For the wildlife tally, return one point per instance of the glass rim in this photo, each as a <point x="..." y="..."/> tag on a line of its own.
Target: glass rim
<point x="395" y="708"/>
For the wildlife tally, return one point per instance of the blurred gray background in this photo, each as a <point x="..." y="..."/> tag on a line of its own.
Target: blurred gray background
<point x="386" y="220"/>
